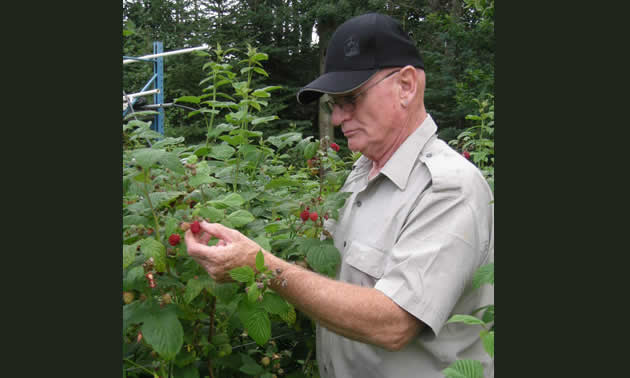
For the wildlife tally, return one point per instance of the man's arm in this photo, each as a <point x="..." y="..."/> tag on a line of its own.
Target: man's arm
<point x="359" y="313"/>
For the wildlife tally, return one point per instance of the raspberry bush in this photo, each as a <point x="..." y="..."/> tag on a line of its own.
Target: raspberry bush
<point x="178" y="322"/>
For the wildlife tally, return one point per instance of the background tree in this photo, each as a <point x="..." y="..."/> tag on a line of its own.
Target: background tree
<point x="455" y="38"/>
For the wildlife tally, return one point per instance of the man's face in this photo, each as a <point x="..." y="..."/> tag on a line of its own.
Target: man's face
<point x="371" y="126"/>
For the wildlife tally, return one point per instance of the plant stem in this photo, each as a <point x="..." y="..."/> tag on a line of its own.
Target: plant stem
<point x="139" y="366"/>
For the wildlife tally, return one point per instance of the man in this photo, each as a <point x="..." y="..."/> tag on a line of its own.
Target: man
<point x="418" y="224"/>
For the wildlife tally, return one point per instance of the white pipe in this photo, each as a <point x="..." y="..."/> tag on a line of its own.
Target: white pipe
<point x="202" y="47"/>
<point x="145" y="93"/>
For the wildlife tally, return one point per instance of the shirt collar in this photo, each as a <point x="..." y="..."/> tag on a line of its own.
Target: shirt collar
<point x="399" y="166"/>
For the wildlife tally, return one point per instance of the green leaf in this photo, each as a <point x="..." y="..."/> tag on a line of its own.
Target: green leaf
<point x="322" y="255"/>
<point x="253" y="292"/>
<point x="282" y="183"/>
<point x="242" y="274"/>
<point x="232" y="200"/>
<point x="189" y="99"/>
<point x="250" y="366"/>
<point x="163" y="331"/>
<point x="133" y="279"/>
<point x="222" y="151"/>
<point x="310" y="150"/>
<point x="488" y="315"/>
<point x="188" y="371"/>
<point x="258" y="120"/>
<point x="153" y="248"/>
<point x="255" y="320"/>
<point x="260" y="93"/>
<point x="211" y="214"/>
<point x="488" y="342"/>
<point x="484" y="275"/>
<point x="467" y="319"/>
<point x="464" y="369"/>
<point x="263" y="242"/>
<point x="261" y="71"/>
<point x="275" y="304"/>
<point x="240" y="218"/>
<point x="195" y="286"/>
<point x="129" y="255"/>
<point x="260" y="261"/>
<point x="289" y="316"/>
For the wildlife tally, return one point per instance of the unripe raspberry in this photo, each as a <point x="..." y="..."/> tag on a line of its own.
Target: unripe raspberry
<point x="265" y="361"/>
<point x="166" y="298"/>
<point x="128" y="297"/>
<point x="139" y="337"/>
<point x="314" y="216"/>
<point x="184" y="226"/>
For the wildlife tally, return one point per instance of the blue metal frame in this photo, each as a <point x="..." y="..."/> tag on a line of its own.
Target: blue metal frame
<point x="158" y="83"/>
<point x="158" y="98"/>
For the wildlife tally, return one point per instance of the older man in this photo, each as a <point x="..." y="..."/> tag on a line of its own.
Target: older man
<point x="417" y="225"/>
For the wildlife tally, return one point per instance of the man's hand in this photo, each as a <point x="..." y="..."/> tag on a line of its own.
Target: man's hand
<point x="233" y="250"/>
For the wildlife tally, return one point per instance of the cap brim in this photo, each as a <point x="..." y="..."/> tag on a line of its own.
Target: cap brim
<point x="334" y="83"/>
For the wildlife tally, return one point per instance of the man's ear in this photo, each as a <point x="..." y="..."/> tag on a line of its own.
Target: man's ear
<point x="407" y="84"/>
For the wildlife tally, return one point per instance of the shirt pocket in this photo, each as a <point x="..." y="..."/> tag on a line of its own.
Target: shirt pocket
<point x="364" y="265"/>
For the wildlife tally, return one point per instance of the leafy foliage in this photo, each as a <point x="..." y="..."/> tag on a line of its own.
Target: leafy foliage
<point x="179" y="318"/>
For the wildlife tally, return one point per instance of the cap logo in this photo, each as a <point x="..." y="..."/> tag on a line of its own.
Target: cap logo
<point x="351" y="47"/>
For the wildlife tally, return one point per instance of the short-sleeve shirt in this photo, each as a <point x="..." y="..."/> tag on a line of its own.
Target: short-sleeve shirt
<point x="417" y="232"/>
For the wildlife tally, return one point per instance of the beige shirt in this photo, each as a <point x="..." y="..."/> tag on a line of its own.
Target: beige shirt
<point x="417" y="232"/>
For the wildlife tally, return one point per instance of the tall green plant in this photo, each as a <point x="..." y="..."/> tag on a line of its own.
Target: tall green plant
<point x="177" y="321"/>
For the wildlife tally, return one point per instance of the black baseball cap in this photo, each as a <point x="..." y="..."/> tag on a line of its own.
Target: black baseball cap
<point x="358" y="49"/>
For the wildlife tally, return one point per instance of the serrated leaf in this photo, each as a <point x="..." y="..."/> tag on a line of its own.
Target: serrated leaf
<point x="211" y="214"/>
<point x="464" y="369"/>
<point x="258" y="120"/>
<point x="133" y="278"/>
<point x="222" y="152"/>
<point x="466" y="319"/>
<point x="231" y="200"/>
<point x="484" y="275"/>
<point x="487" y="339"/>
<point x="242" y="274"/>
<point x="275" y="304"/>
<point x="282" y="183"/>
<point x="253" y="292"/>
<point x="240" y="218"/>
<point x="153" y="248"/>
<point x="322" y="255"/>
<point x="310" y="150"/>
<point x="255" y="320"/>
<point x="289" y="316"/>
<point x="194" y="287"/>
<point x="161" y="199"/>
<point x="260" y="261"/>
<point x="129" y="255"/>
<point x="263" y="242"/>
<point x="250" y="366"/>
<point x="163" y="331"/>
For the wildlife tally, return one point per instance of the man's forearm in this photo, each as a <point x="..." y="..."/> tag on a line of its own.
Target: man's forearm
<point x="359" y="313"/>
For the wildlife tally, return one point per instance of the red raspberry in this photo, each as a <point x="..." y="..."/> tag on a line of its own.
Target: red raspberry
<point x="195" y="227"/>
<point x="304" y="215"/>
<point x="173" y="239"/>
<point x="334" y="146"/>
<point x="314" y="216"/>
<point x="466" y="154"/>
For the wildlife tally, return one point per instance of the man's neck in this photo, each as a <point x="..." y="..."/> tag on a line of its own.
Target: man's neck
<point x="412" y="122"/>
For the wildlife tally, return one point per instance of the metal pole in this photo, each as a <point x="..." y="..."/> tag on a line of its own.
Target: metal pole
<point x="139" y="94"/>
<point x="158" y="98"/>
<point x="161" y="54"/>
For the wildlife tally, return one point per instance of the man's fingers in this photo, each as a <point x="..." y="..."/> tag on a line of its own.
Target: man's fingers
<point x="219" y="231"/>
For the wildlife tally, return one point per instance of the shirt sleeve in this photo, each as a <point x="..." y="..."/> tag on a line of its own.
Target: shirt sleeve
<point x="434" y="258"/>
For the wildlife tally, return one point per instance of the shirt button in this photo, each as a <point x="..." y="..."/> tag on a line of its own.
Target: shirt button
<point x="429" y="155"/>
<point x="358" y="203"/>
